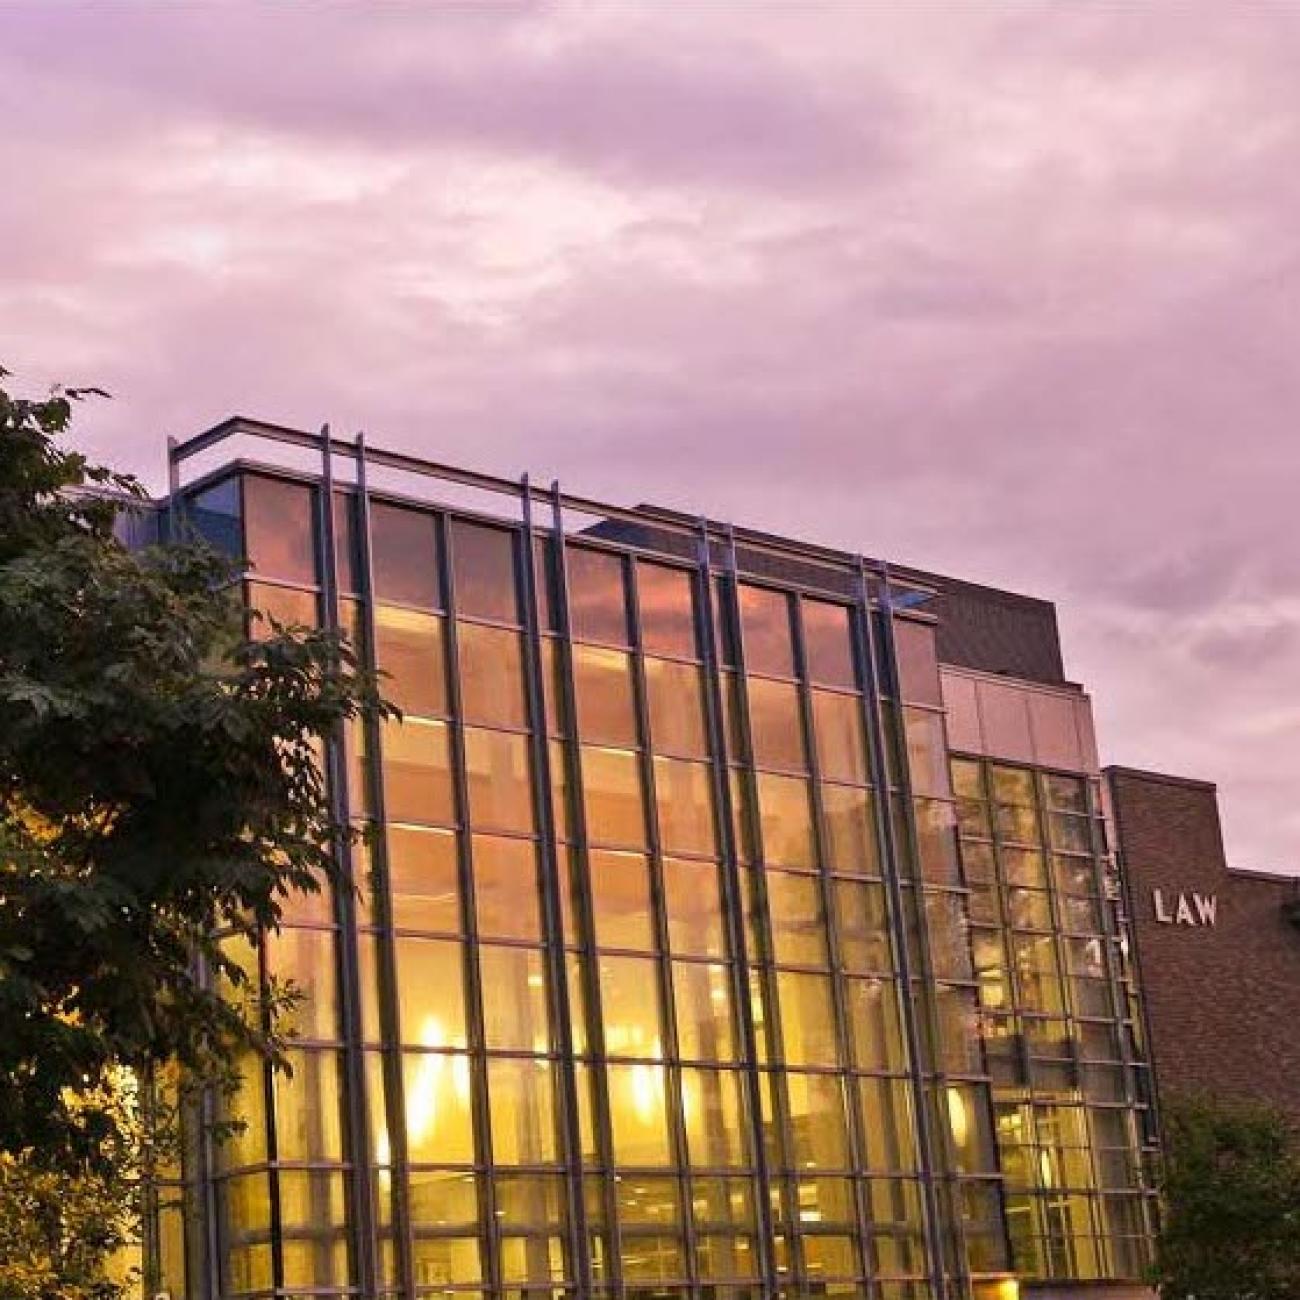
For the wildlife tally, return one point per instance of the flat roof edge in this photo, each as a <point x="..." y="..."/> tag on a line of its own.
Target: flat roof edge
<point x="1160" y="778"/>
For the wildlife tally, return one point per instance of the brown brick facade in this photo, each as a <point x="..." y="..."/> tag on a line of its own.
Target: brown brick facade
<point x="1223" y="998"/>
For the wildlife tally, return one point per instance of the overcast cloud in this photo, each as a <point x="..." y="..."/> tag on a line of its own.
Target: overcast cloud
<point x="1006" y="289"/>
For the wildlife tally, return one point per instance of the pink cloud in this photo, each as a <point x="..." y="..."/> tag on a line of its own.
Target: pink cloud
<point x="1002" y="290"/>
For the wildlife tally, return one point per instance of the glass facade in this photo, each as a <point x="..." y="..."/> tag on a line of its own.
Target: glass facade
<point x="666" y="971"/>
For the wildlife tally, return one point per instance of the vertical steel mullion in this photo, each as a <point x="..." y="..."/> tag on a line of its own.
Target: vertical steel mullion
<point x="212" y="1266"/>
<point x="1150" y="1206"/>
<point x="929" y="980"/>
<point x="173" y="490"/>
<point x="733" y="902"/>
<point x="673" y="1073"/>
<point x="553" y="916"/>
<point x="266" y="1067"/>
<point x="1111" y="930"/>
<point x="777" y="1066"/>
<point x="1141" y="1017"/>
<point x="490" y="1225"/>
<point x="389" y="1011"/>
<point x="582" y="878"/>
<point x="869" y="673"/>
<point x="203" y="1185"/>
<point x="361" y="1198"/>
<point x="830" y="911"/>
<point x="272" y="1133"/>
<point x="1119" y="1002"/>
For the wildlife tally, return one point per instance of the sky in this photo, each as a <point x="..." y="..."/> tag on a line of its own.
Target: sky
<point x="1001" y="288"/>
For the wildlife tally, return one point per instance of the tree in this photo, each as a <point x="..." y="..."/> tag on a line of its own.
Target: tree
<point x="158" y="774"/>
<point x="1231" y="1186"/>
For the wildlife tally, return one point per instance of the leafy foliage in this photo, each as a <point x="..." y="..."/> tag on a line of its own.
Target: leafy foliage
<point x="1231" y="1184"/>
<point x="158" y="774"/>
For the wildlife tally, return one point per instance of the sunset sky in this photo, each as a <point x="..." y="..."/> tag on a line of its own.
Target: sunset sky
<point x="1004" y="288"/>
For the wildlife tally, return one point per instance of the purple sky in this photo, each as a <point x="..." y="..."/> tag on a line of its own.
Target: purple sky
<point x="1006" y="289"/>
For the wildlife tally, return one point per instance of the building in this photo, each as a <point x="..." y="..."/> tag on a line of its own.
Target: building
<point x="1219" y="949"/>
<point x="739" y="918"/>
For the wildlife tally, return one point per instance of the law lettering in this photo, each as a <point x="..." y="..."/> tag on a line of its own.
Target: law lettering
<point x="1196" y="910"/>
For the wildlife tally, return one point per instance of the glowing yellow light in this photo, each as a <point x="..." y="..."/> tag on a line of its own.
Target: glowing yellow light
<point x="647" y="1096"/>
<point x="996" y="1288"/>
<point x="958" y="1118"/>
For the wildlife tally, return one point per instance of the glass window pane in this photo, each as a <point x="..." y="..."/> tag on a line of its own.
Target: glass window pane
<point x="544" y="581"/>
<point x="970" y="1125"/>
<point x="457" y="1259"/>
<point x="863" y="926"/>
<point x="409" y="649"/>
<point x="442" y="1199"/>
<point x="776" y="725"/>
<point x="308" y="1110"/>
<point x="216" y="514"/>
<point x="798" y="919"/>
<point x="553" y="688"/>
<point x="850" y="831"/>
<point x="841" y="739"/>
<point x="945" y="919"/>
<point x="936" y="831"/>
<point x="666" y="598"/>
<point x="828" y="644"/>
<point x="280" y="529"/>
<point x="498" y="768"/>
<point x="417" y="772"/>
<point x="597" y="596"/>
<point x="694" y="905"/>
<point x="927" y="754"/>
<point x="313" y="1220"/>
<point x="871" y="1006"/>
<point x="514" y="999"/>
<point x="887" y="1124"/>
<point x="506" y="896"/>
<point x="247" y="1106"/>
<point x="439" y="1126"/>
<point x="491" y="676"/>
<point x="404" y="552"/>
<point x="786" y="814"/>
<point x="918" y="666"/>
<point x="819" y="1133"/>
<point x="606" y="698"/>
<point x="629" y="996"/>
<point x="676" y="705"/>
<point x="713" y="1114"/>
<point x="283" y="605"/>
<point x="423" y="879"/>
<point x="765" y="619"/>
<point x="306" y="958"/>
<point x="807" y="1018"/>
<point x="639" y="1114"/>
<point x="684" y="795"/>
<point x="613" y="797"/>
<point x="345" y="541"/>
<point x="702" y="1000"/>
<point x="483" y="565"/>
<point x="430" y="992"/>
<point x="1012" y="784"/>
<point x="521" y="1103"/>
<point x="621" y="908"/>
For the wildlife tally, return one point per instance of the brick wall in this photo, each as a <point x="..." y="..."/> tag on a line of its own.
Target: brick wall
<point x="1223" y="1000"/>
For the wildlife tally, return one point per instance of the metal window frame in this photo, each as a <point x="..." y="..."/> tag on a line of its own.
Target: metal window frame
<point x="870" y="671"/>
<point x="596" y="1061"/>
